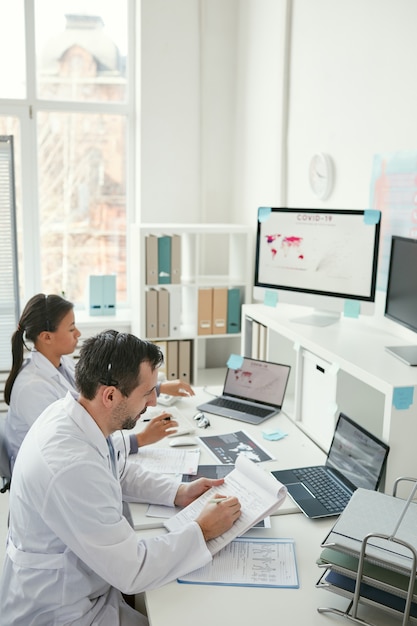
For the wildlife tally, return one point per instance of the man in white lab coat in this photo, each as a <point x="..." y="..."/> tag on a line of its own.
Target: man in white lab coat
<point x="70" y="552"/>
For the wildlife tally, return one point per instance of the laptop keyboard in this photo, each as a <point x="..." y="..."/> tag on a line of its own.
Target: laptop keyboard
<point x="241" y="407"/>
<point x="327" y="491"/>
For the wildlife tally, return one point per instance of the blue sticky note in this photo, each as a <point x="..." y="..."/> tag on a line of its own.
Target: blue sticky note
<point x="403" y="397"/>
<point x="273" y="435"/>
<point x="351" y="308"/>
<point x="263" y="213"/>
<point x="235" y="361"/>
<point x="371" y="216"/>
<point x="270" y="297"/>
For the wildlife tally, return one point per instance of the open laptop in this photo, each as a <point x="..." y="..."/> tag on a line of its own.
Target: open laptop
<point x="252" y="393"/>
<point x="356" y="459"/>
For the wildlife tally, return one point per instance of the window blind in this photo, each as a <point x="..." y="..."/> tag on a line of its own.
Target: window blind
<point x="9" y="283"/>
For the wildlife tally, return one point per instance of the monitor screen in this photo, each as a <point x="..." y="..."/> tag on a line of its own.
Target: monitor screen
<point x="322" y="257"/>
<point x="401" y="298"/>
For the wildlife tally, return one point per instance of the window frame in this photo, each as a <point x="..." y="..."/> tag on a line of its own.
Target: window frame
<point x="26" y="110"/>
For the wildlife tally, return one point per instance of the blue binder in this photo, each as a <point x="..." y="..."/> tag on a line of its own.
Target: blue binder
<point x="164" y="259"/>
<point x="233" y="310"/>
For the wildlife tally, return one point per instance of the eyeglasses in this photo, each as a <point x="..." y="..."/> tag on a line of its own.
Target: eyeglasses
<point x="202" y="420"/>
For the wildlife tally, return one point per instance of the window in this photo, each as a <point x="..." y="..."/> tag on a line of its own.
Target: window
<point x="68" y="103"/>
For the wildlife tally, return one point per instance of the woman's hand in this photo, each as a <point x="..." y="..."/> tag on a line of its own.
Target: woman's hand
<point x="176" y="388"/>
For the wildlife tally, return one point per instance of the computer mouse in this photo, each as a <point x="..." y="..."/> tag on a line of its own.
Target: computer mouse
<point x="182" y="441"/>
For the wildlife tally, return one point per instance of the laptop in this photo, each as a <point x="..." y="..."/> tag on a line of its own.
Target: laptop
<point x="252" y="393"/>
<point x="356" y="459"/>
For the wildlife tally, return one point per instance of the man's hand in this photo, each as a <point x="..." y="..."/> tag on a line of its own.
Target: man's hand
<point x="188" y="492"/>
<point x="158" y="428"/>
<point x="218" y="516"/>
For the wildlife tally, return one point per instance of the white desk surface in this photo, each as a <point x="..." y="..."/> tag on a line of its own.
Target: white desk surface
<point x="296" y="449"/>
<point x="187" y="605"/>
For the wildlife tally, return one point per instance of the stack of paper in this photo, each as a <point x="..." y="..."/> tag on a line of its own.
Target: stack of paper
<point x="383" y="527"/>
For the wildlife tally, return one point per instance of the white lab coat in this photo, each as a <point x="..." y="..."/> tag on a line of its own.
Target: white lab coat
<point x="69" y="547"/>
<point x="38" y="384"/>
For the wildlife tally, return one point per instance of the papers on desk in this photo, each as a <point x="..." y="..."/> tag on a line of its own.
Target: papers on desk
<point x="167" y="460"/>
<point x="259" y="493"/>
<point x="250" y="562"/>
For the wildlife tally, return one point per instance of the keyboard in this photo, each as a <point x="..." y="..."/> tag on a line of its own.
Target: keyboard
<point x="331" y="495"/>
<point x="235" y="405"/>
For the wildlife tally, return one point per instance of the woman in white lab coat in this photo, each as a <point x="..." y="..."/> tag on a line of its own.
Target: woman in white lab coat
<point x="48" y="323"/>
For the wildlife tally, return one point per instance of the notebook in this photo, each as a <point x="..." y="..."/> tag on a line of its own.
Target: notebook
<point x="356" y="458"/>
<point x="252" y="393"/>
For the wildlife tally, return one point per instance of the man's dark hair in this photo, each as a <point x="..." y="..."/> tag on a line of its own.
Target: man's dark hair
<point x="113" y="358"/>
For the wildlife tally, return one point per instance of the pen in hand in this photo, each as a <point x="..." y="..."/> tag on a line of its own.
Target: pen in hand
<point x="148" y="419"/>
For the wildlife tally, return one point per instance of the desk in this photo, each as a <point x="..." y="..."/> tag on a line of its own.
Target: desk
<point x="292" y="451"/>
<point x="188" y="605"/>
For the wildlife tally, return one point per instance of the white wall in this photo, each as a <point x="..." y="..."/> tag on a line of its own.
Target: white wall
<point x="170" y="111"/>
<point x="239" y="94"/>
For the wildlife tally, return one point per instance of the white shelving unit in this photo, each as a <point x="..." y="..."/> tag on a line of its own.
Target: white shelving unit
<point x="343" y="367"/>
<point x="212" y="255"/>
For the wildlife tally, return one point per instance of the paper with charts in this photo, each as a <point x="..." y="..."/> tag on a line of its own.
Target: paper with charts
<point x="250" y="562"/>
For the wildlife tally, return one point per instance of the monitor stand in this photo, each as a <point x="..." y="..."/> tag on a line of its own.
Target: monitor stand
<point x="407" y="354"/>
<point x="318" y="318"/>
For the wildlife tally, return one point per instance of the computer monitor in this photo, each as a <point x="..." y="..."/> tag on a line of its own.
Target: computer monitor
<point x="318" y="258"/>
<point x="401" y="297"/>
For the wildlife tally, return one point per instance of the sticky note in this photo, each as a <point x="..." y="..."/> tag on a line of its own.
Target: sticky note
<point x="372" y="216"/>
<point x="235" y="361"/>
<point x="263" y="213"/>
<point x="273" y="435"/>
<point x="351" y="308"/>
<point x="403" y="398"/>
<point x="270" y="297"/>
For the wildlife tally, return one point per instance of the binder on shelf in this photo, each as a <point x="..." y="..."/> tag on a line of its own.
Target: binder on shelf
<point x="262" y="342"/>
<point x="248" y="336"/>
<point x="162" y="370"/>
<point x="164" y="259"/>
<point x="175" y="312"/>
<point x="219" y="316"/>
<point x="102" y="294"/>
<point x="172" y="360"/>
<point x="233" y="310"/>
<point x="175" y="259"/>
<point x="163" y="312"/>
<point x="184" y="360"/>
<point x="205" y="311"/>
<point x="151" y="262"/>
<point x="151" y="304"/>
<point x="255" y="339"/>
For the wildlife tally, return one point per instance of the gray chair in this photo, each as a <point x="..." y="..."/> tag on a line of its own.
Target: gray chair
<point x="5" y="472"/>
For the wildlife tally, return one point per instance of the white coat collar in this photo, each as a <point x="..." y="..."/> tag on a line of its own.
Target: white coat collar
<point x="86" y="424"/>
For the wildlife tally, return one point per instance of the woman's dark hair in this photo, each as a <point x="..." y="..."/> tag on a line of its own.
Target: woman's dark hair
<point x="41" y="313"/>
<point x="113" y="358"/>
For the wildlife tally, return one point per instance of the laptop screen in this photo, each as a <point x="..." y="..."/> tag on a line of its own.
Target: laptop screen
<point x="258" y="381"/>
<point x="357" y="454"/>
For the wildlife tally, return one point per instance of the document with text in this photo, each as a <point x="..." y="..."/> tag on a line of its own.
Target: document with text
<point x="250" y="562"/>
<point x="259" y="493"/>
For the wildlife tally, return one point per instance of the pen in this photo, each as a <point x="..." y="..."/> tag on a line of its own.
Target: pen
<point x="166" y="419"/>
<point x="217" y="500"/>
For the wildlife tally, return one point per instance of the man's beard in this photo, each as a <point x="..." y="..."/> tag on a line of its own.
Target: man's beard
<point x="129" y="423"/>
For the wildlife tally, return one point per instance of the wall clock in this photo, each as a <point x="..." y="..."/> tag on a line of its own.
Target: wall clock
<point x="321" y="175"/>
